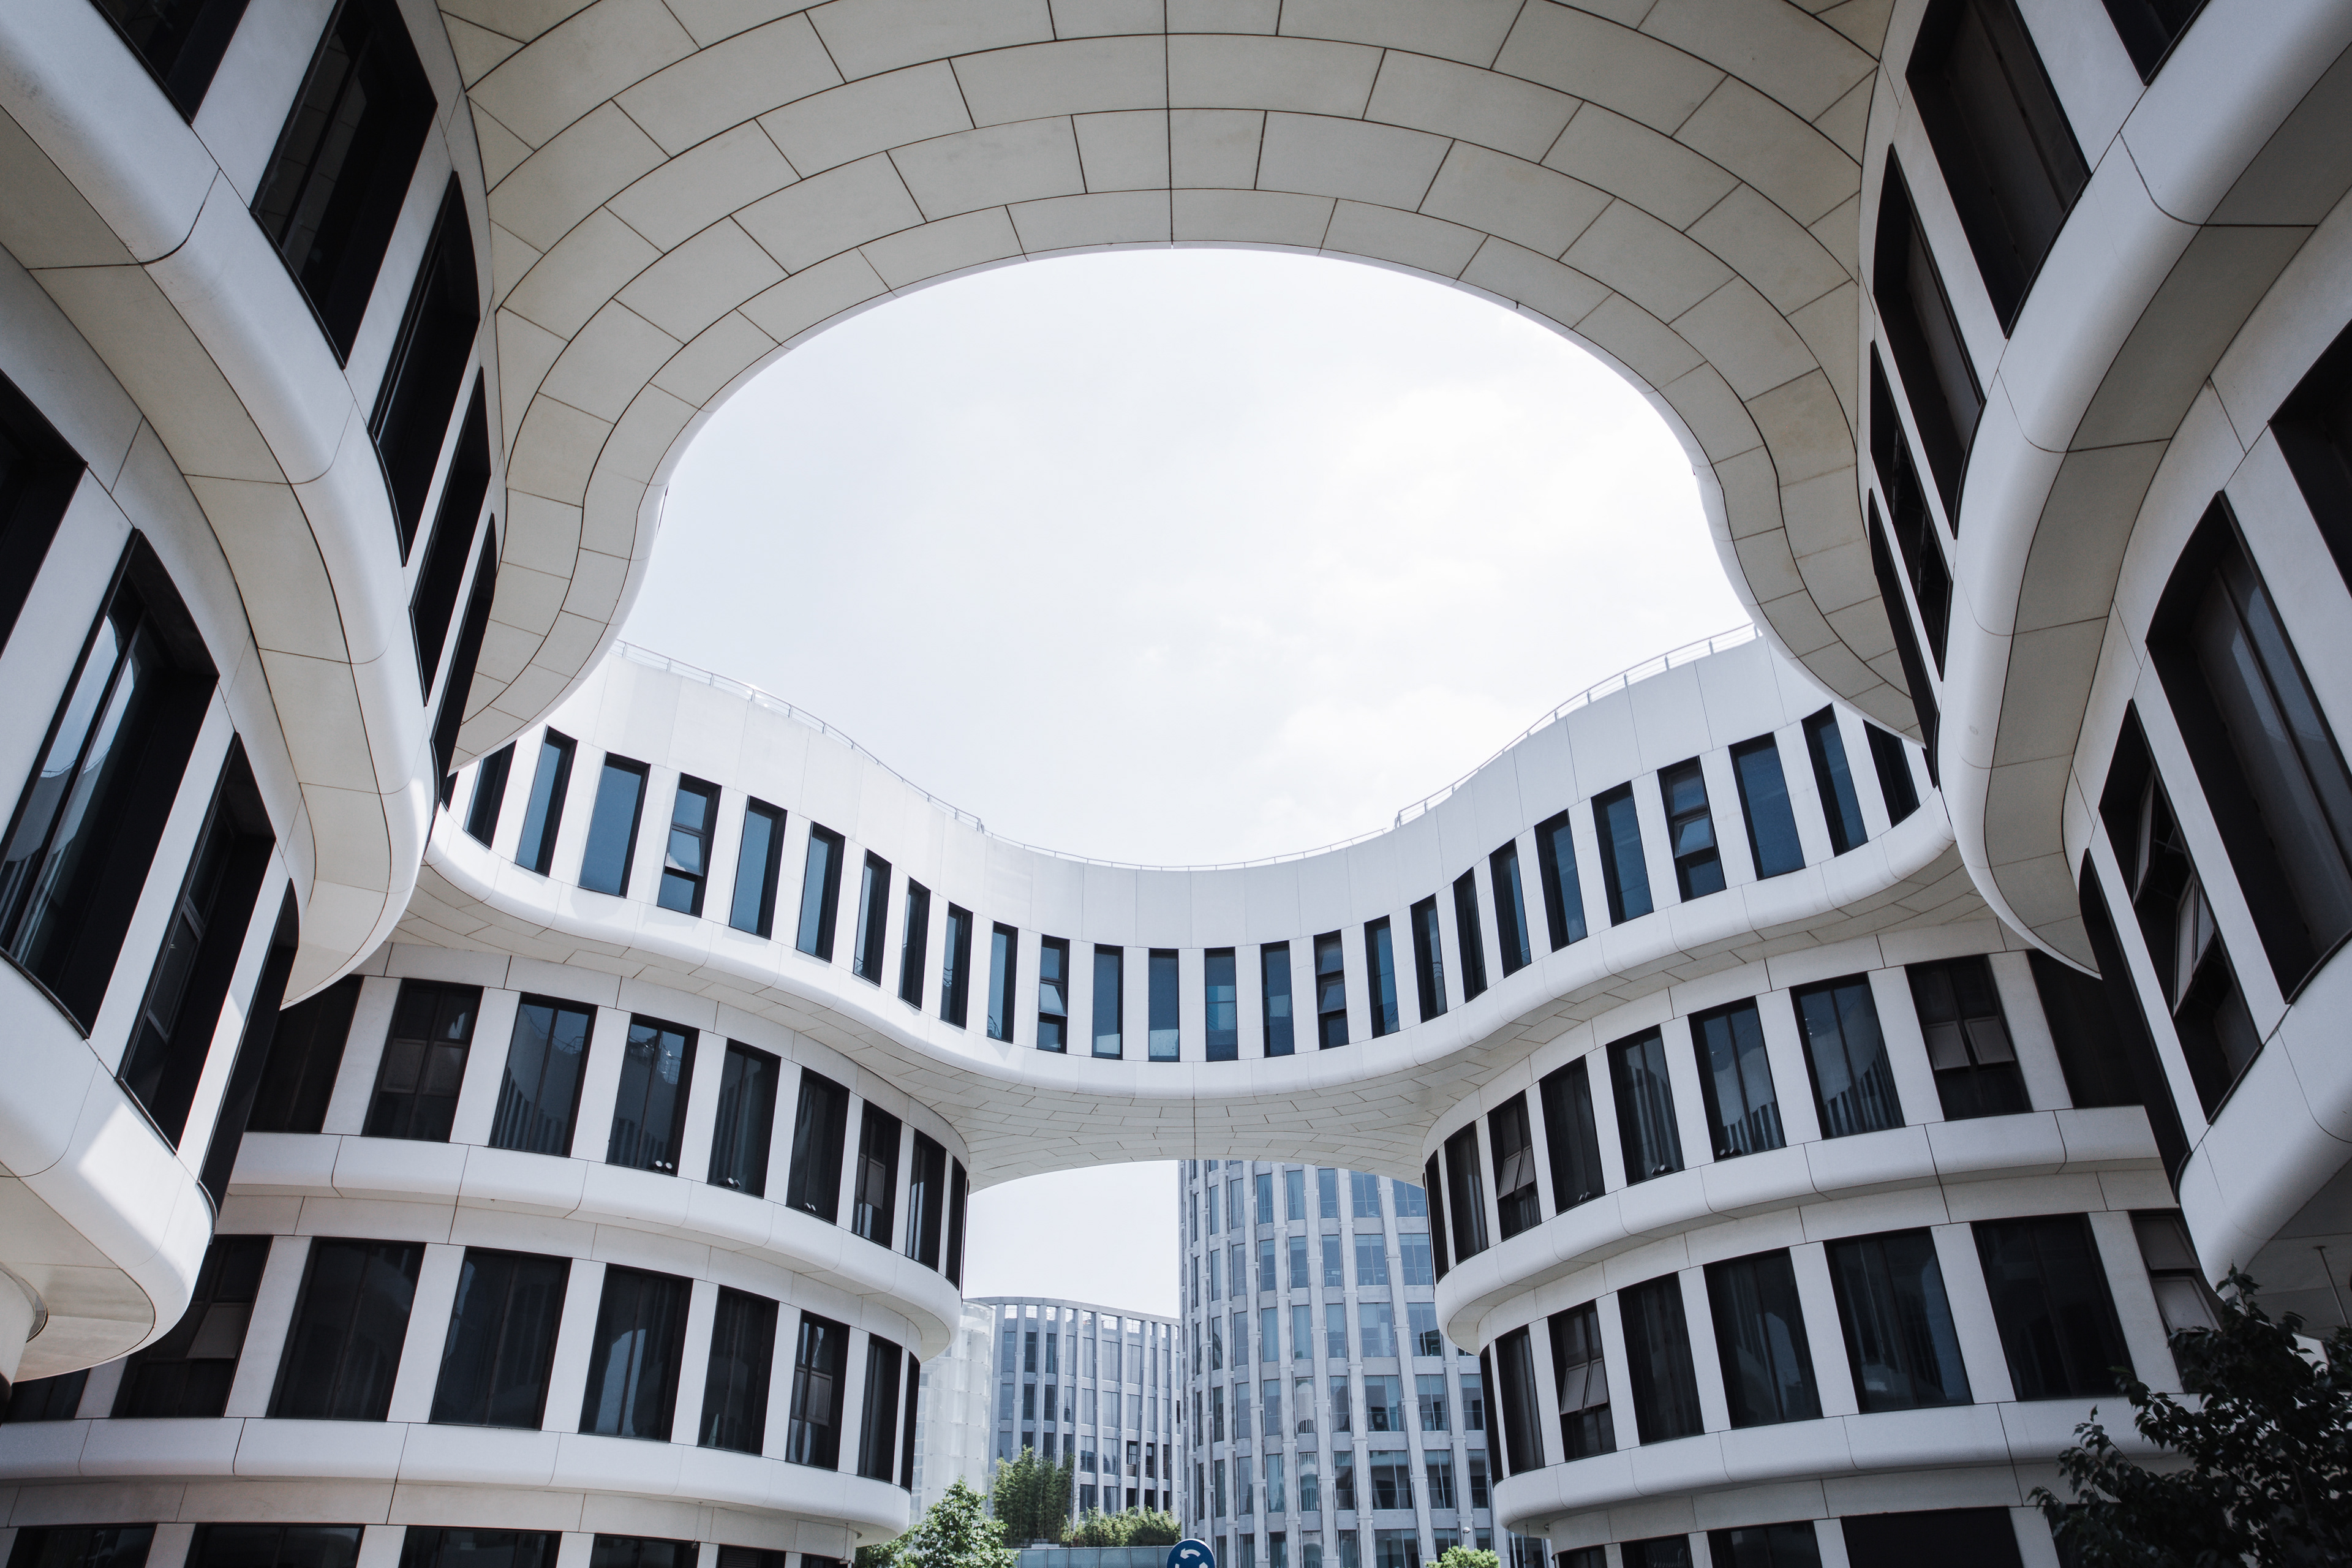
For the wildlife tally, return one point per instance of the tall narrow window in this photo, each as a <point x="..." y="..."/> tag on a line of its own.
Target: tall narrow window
<point x="1003" y="980"/>
<point x="1645" y="1107"/>
<point x="613" y="827"/>
<point x="1690" y="831"/>
<point x="1892" y="765"/>
<point x="753" y="907"/>
<point x="1434" y="1185"/>
<point x="1330" y="991"/>
<point x="1109" y="1000"/>
<point x="1889" y="577"/>
<point x="1465" y="1193"/>
<point x="2314" y="427"/>
<point x="1469" y="936"/>
<point x="747" y="1118"/>
<point x="424" y="1061"/>
<point x="1162" y="1006"/>
<point x="1623" y="873"/>
<point x="39" y="472"/>
<point x="633" y="1359"/>
<point x="1930" y="355"/>
<point x="1764" y="803"/>
<point x="878" y="1422"/>
<point x="539" y="1090"/>
<point x="227" y="1138"/>
<point x="1274" y="964"/>
<point x="1582" y="1379"/>
<point x="1428" y="959"/>
<point x="412" y="411"/>
<point x="819" y="1356"/>
<point x="955" y="968"/>
<point x="2127" y="1023"/>
<point x="1968" y="1038"/>
<point x="2182" y="1298"/>
<point x="914" y="944"/>
<point x="649" y="1107"/>
<point x="873" y="919"/>
<point x="490" y="794"/>
<point x="1913" y="529"/>
<point x="874" y="1214"/>
<point x="1743" y="1113"/>
<point x="1220" y="1005"/>
<point x="735" y="1386"/>
<point x="333" y="192"/>
<point x="1573" y="1142"/>
<point x="1899" y="1337"/>
<point x="465" y="658"/>
<point x="1380" y="963"/>
<point x="1054" y="995"/>
<point x="820" y="893"/>
<point x="1826" y="745"/>
<point x="343" y="1350"/>
<point x="1853" y="1087"/>
<point x="686" y="859"/>
<point x="926" y="1192"/>
<point x="500" y="1345"/>
<point x="187" y="1373"/>
<point x="1658" y="1360"/>
<point x="1513" y="1146"/>
<point x="1511" y="903"/>
<point x="542" y="814"/>
<point x="1563" y="889"/>
<point x="181" y="43"/>
<point x="306" y="1053"/>
<point x="1515" y="1390"/>
<point x="2050" y="1297"/>
<point x="820" y="1125"/>
<point x="1759" y="1333"/>
<point x="958" y="1196"/>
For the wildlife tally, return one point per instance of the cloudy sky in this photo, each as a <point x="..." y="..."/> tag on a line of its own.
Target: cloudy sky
<point x="1177" y="557"/>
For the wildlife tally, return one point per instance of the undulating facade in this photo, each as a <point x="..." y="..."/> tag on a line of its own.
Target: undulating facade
<point x="475" y="1089"/>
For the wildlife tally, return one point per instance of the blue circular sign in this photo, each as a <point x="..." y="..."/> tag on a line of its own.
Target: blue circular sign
<point x="1191" y="1554"/>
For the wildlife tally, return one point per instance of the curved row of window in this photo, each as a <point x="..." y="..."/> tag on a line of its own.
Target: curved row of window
<point x="281" y="1546"/>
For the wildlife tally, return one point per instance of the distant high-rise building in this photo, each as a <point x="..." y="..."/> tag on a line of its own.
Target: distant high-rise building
<point x="1091" y="1384"/>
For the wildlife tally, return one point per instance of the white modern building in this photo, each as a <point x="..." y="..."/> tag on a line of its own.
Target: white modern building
<point x="1088" y="1386"/>
<point x="1825" y="1056"/>
<point x="955" y="1427"/>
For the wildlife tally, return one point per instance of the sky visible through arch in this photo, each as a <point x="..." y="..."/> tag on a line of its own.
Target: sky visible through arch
<point x="1177" y="557"/>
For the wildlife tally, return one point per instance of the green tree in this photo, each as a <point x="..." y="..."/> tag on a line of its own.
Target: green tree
<point x="1153" y="1527"/>
<point x="956" y="1532"/>
<point x="1032" y="1496"/>
<point x="1135" y="1527"/>
<point x="1466" y="1557"/>
<point x="2268" y="1447"/>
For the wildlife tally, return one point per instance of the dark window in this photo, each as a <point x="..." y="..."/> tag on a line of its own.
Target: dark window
<point x="757" y="868"/>
<point x="1511" y="903"/>
<point x="181" y="43"/>
<point x="1274" y="962"/>
<point x="1563" y="889"/>
<point x="187" y="1373"/>
<point x="171" y="1034"/>
<point x="1054" y="995"/>
<point x="638" y="1551"/>
<point x="1220" y="1005"/>
<point x="2182" y="1298"/>
<point x="490" y="794"/>
<point x="820" y="1356"/>
<point x="2265" y="756"/>
<point x="2150" y="27"/>
<point x="1571" y="1140"/>
<point x="820" y="893"/>
<point x="633" y="1362"/>
<point x="878" y="1426"/>
<point x="819" y="1127"/>
<point x="1894" y="767"/>
<point x="1003" y="980"/>
<point x="2058" y="1327"/>
<point x="1659" y="1551"/>
<point x="466" y="657"/>
<point x="649" y="1107"/>
<point x="1330" y="991"/>
<point x="420" y="388"/>
<point x="1582" y="1375"/>
<point x="38" y="475"/>
<point x="424" y="1061"/>
<point x="1765" y="1546"/>
<point x="36" y="1399"/>
<point x="875" y="1201"/>
<point x="1899" y="1338"/>
<point x="2091" y="1047"/>
<point x="1160" y="1006"/>
<point x="1913" y="530"/>
<point x="539" y="1090"/>
<point x="873" y="919"/>
<point x="253" y="1047"/>
<point x="613" y="827"/>
<point x="334" y="186"/>
<point x="926" y="1192"/>
<point x="422" y="1547"/>
<point x="955" y="968"/>
<point x="914" y="944"/>
<point x="1428" y="959"/>
<point x="1465" y="1193"/>
<point x="1968" y="1038"/>
<point x="958" y="1196"/>
<point x="1853" y="1087"/>
<point x="1906" y="639"/>
<point x="456" y="521"/>
<point x="909" y="1430"/>
<point x="84" y="837"/>
<point x="1433" y="1185"/>
<point x="1658" y="1360"/>
<point x="306" y="1051"/>
<point x="343" y="1349"/>
<point x="1834" y="779"/>
<point x="686" y="859"/>
<point x="1947" y="1538"/>
<point x="1690" y="831"/>
<point x="1468" y="935"/>
<point x="501" y="1340"/>
<point x="1514" y="1145"/>
<point x="1110" y="966"/>
<point x="1622" y="872"/>
<point x="542" y="814"/>
<point x="275" y="1546"/>
<point x="1764" y="802"/>
<point x="1522" y="1410"/>
<point x="747" y="1120"/>
<point x="2128" y="1023"/>
<point x="1645" y="1107"/>
<point x="1734" y="1078"/>
<point x="1379" y="962"/>
<point x="735" y="1389"/>
<point x="1916" y="316"/>
<point x="1759" y="1334"/>
<point x="2314" y="427"/>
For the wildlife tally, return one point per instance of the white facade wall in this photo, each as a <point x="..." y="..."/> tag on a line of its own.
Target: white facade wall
<point x="954" y="1424"/>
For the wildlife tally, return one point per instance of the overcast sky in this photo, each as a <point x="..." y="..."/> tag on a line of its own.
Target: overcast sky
<point x="1177" y="557"/>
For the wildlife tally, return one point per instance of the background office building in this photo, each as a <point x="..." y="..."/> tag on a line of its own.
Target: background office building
<point x="1090" y="1386"/>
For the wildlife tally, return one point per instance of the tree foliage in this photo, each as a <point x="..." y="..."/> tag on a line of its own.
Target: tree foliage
<point x="1468" y="1557"/>
<point x="1135" y="1527"/>
<point x="955" y="1533"/>
<point x="1032" y="1496"/>
<point x="2268" y="1445"/>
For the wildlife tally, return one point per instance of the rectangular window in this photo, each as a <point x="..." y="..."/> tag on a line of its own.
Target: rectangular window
<point x="542" y="814"/>
<point x="1522" y="1410"/>
<point x="1391" y="1480"/>
<point x="412" y="404"/>
<point x="1582" y="1376"/>
<point x="1913" y="530"/>
<point x="955" y="968"/>
<point x="1759" y="1334"/>
<point x="1645" y="1107"/>
<point x="1854" y="1086"/>
<point x="1333" y="1275"/>
<point x="1764" y="802"/>
<point x="1274" y="962"/>
<point x="1899" y="1337"/>
<point x="1916" y="316"/>
<point x="1054" y="995"/>
<point x="1298" y="1276"/>
<point x="633" y="1359"/>
<point x="1826" y="745"/>
<point x="1572" y="1139"/>
<point x="538" y="1089"/>
<point x="490" y="794"/>
<point x="1428" y="959"/>
<point x="1326" y="1193"/>
<point x="1469" y="936"/>
<point x="959" y="1191"/>
<point x="343" y="1349"/>
<point x="1563" y="889"/>
<point x="820" y="893"/>
<point x="1513" y="1142"/>
<point x="914" y="944"/>
<point x="187" y="1373"/>
<point x="306" y="1052"/>
<point x="1109" y="1000"/>
<point x="1330" y="991"/>
<point x="649" y="1107"/>
<point x="878" y="1422"/>
<point x="1968" y="1038"/>
<point x="1474" y="1405"/>
<point x="754" y="906"/>
<point x="873" y="919"/>
<point x="501" y="1340"/>
<point x="820" y="1125"/>
<point x="1465" y="1194"/>
<point x="1430" y="1393"/>
<point x="613" y="827"/>
<point x="424" y="1061"/>
<point x="1413" y="1262"/>
<point x="1263" y="1184"/>
<point x="1220" y="1007"/>
<point x="2182" y="1298"/>
<point x="1379" y="962"/>
<point x="1889" y="577"/>
<point x="1979" y="1537"/>
<point x="876" y="1206"/>
<point x="1658" y="1360"/>
<point x="747" y="1120"/>
<point x="927" y="1191"/>
<point x="1623" y="871"/>
<point x="819" y="1356"/>
<point x="1892" y="765"/>
<point x="1162" y="1006"/>
<point x="1383" y="1395"/>
<point x="2058" y="1327"/>
<point x="1371" y="1259"/>
<point x="421" y="1547"/>
<point x="1334" y="1318"/>
<point x="1743" y="1111"/>
<point x="1003" y="980"/>
<point x="1690" y="831"/>
<point x="465" y="658"/>
<point x="279" y="1546"/>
